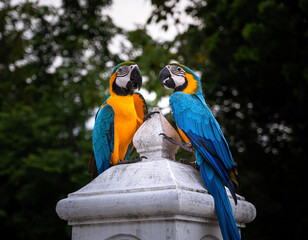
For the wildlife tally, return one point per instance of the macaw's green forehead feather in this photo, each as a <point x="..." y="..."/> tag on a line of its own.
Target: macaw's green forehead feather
<point x="128" y="63"/>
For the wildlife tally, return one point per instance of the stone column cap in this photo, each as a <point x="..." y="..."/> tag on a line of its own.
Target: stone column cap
<point x="157" y="189"/>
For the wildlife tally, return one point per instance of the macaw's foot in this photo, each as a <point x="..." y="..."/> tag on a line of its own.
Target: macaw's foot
<point x="193" y="164"/>
<point x="146" y="117"/>
<point x="133" y="160"/>
<point x="180" y="144"/>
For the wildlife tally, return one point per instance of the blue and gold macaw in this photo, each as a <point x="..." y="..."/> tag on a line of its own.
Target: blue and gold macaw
<point x="117" y="119"/>
<point x="199" y="129"/>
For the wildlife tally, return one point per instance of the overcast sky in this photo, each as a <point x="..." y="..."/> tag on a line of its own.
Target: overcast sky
<point x="129" y="14"/>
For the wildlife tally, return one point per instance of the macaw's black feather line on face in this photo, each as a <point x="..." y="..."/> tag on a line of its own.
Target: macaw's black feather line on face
<point x="177" y="70"/>
<point x="122" y="71"/>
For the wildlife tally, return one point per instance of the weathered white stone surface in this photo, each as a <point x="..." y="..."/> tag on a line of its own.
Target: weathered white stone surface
<point x="150" y="144"/>
<point x="157" y="198"/>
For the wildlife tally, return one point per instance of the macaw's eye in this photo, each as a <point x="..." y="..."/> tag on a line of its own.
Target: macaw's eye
<point x="122" y="71"/>
<point x="177" y="70"/>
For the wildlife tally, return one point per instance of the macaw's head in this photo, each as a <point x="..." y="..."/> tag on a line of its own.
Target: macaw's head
<point x="125" y="78"/>
<point x="180" y="78"/>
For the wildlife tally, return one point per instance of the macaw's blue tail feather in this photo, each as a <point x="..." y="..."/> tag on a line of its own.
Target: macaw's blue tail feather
<point x="227" y="176"/>
<point x="217" y="189"/>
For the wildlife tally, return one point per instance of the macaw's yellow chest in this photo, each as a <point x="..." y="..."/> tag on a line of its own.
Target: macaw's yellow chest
<point x="125" y="125"/>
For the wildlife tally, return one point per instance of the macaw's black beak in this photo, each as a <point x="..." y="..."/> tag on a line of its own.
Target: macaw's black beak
<point x="165" y="78"/>
<point x="135" y="81"/>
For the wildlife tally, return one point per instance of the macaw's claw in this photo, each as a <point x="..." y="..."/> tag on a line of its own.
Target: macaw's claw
<point x="133" y="160"/>
<point x="180" y="144"/>
<point x="193" y="164"/>
<point x="146" y="117"/>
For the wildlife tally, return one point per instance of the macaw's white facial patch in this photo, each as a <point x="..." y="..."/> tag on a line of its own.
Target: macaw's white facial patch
<point x="179" y="80"/>
<point x="122" y="81"/>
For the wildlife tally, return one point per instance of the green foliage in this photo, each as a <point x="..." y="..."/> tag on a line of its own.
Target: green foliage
<point x="45" y="146"/>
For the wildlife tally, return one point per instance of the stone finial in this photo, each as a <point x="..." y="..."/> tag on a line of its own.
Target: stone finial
<point x="150" y="144"/>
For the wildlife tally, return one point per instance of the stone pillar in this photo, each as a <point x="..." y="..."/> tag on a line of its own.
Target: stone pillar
<point x="157" y="198"/>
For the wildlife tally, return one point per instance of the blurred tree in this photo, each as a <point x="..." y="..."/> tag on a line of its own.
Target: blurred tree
<point x="52" y="62"/>
<point x="253" y="57"/>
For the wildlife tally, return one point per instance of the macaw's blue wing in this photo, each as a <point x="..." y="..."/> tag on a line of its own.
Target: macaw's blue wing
<point x="195" y="119"/>
<point x="103" y="137"/>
